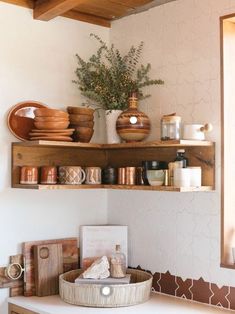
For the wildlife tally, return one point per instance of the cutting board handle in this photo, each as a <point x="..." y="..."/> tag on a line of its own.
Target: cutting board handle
<point x="14" y="271"/>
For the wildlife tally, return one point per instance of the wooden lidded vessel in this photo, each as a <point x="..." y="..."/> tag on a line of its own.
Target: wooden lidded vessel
<point x="133" y="125"/>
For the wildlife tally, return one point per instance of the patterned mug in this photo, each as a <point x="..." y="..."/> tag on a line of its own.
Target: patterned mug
<point x="71" y="175"/>
<point x="93" y="175"/>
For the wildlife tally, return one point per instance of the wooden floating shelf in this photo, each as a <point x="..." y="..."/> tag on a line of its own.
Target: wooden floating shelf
<point x="113" y="187"/>
<point x="153" y="144"/>
<point x="50" y="153"/>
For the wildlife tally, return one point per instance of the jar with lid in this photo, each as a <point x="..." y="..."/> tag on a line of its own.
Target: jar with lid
<point x="170" y="127"/>
<point x="118" y="263"/>
<point x="181" y="159"/>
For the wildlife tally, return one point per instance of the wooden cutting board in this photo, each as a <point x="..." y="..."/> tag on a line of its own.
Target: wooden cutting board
<point x="48" y="263"/>
<point x="70" y="260"/>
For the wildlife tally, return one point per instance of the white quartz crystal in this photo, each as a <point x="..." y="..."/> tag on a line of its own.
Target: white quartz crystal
<point x="98" y="270"/>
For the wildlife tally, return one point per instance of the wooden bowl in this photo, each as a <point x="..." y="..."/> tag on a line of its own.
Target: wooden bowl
<point x="50" y="119"/>
<point x="80" y="110"/>
<point x="89" y="124"/>
<point x="82" y="134"/>
<point x="20" y="118"/>
<point x="45" y="112"/>
<point x="75" y="118"/>
<point x="51" y="125"/>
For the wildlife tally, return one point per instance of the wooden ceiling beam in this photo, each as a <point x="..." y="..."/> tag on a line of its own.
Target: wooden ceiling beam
<point x="21" y="3"/>
<point x="88" y="18"/>
<point x="49" y="9"/>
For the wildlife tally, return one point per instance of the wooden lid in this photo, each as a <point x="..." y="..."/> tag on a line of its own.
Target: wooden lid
<point x="171" y="118"/>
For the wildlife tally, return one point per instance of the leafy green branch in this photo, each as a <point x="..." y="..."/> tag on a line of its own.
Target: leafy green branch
<point x="107" y="77"/>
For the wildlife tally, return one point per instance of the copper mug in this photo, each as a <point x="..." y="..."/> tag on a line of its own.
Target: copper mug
<point x="29" y="175"/>
<point x="93" y="175"/>
<point x="48" y="175"/>
<point x="130" y="173"/>
<point x="121" y="176"/>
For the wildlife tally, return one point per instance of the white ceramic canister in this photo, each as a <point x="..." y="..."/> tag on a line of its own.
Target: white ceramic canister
<point x="182" y="177"/>
<point x="195" y="176"/>
<point x="193" y="132"/>
<point x="196" y="131"/>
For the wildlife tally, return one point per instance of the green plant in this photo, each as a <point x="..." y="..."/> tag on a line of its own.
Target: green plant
<point x="108" y="77"/>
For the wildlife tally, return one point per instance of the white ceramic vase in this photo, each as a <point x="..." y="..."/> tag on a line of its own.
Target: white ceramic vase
<point x="111" y="118"/>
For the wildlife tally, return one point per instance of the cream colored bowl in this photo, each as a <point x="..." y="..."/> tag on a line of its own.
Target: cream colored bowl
<point x="155" y="177"/>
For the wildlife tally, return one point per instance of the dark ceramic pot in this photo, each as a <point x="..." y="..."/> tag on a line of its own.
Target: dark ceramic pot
<point x="109" y="175"/>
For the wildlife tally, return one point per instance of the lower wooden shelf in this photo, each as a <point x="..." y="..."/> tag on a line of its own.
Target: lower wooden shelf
<point x="113" y="187"/>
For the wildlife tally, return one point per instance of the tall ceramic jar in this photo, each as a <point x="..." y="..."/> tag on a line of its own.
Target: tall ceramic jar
<point x="133" y="125"/>
<point x="111" y="118"/>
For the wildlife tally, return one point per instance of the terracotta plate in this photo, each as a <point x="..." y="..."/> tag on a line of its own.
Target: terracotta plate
<point x="21" y="118"/>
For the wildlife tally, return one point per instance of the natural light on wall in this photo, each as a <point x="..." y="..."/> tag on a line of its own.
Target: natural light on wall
<point x="228" y="140"/>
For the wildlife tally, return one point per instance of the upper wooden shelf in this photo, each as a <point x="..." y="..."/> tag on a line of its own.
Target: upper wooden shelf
<point x="153" y="144"/>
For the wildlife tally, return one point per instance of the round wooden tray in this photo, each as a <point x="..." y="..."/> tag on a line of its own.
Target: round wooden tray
<point x="20" y="118"/>
<point x="138" y="291"/>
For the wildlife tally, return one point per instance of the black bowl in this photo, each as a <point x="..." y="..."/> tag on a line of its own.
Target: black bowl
<point x="154" y="165"/>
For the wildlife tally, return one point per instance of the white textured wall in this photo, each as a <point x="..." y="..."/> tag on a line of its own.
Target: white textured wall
<point x="37" y="62"/>
<point x="168" y="231"/>
<point x="172" y="231"/>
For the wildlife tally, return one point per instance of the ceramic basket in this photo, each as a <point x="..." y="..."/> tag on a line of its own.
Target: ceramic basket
<point x="138" y="291"/>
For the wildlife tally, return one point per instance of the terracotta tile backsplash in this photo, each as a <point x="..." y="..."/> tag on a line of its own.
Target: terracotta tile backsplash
<point x="183" y="289"/>
<point x="219" y="296"/>
<point x="167" y="283"/>
<point x="201" y="291"/>
<point x="231" y="298"/>
<point x="195" y="290"/>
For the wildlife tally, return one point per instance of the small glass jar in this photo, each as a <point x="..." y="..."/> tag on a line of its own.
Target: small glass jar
<point x="170" y="128"/>
<point x="118" y="263"/>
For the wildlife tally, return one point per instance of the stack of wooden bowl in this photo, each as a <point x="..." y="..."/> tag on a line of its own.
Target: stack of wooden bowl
<point x="51" y="125"/>
<point x="82" y="120"/>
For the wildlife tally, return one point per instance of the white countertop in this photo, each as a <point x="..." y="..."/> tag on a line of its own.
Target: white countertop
<point x="159" y="303"/>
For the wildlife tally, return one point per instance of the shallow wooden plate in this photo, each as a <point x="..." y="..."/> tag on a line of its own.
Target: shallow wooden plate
<point x="52" y="138"/>
<point x="20" y="118"/>
<point x="52" y="131"/>
<point x="49" y="134"/>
